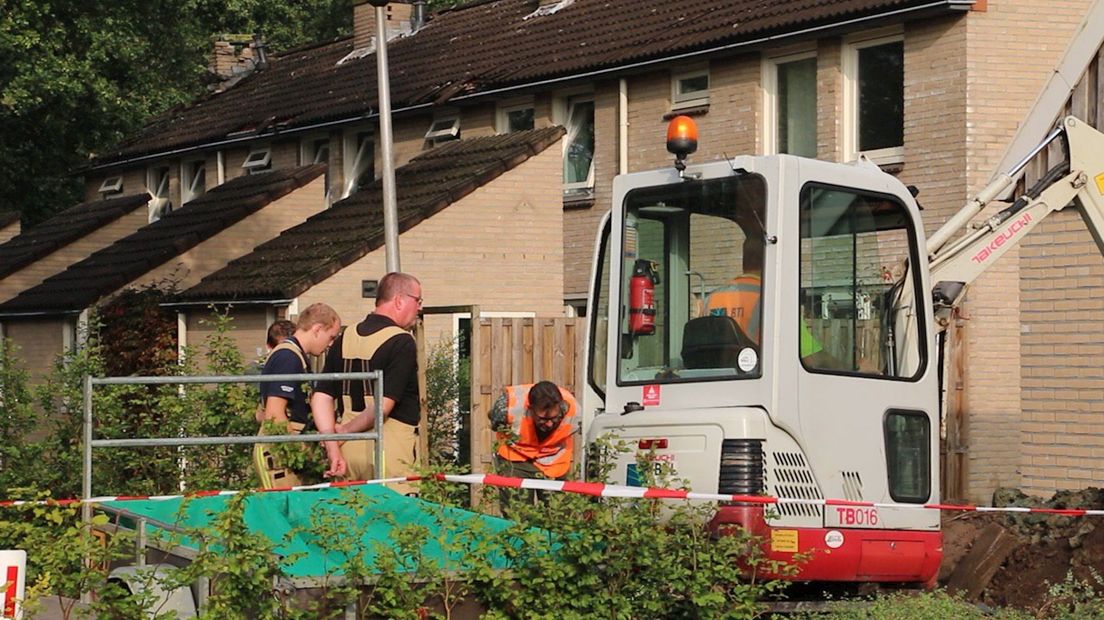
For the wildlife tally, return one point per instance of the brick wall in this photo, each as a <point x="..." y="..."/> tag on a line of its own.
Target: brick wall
<point x="250" y="329"/>
<point x="39" y="342"/>
<point x="82" y="248"/>
<point x="1007" y="446"/>
<point x="499" y="247"/>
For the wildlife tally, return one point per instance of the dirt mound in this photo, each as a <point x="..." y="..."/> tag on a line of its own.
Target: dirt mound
<point x="1047" y="547"/>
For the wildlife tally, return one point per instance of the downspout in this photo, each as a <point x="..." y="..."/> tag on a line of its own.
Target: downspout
<point x="181" y="336"/>
<point x="220" y="168"/>
<point x="622" y="126"/>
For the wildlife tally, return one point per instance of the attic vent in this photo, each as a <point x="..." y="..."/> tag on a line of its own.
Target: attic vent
<point x="852" y="486"/>
<point x="792" y="479"/>
<point x="111" y="185"/>
<point x="548" y="7"/>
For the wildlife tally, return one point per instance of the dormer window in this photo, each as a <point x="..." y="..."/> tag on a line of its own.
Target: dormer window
<point x="443" y="130"/>
<point x="259" y="160"/>
<point x="193" y="180"/>
<point x="157" y="184"/>
<point x="111" y="185"/>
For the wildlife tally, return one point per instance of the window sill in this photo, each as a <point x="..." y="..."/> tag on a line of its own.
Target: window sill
<point x="578" y="199"/>
<point x="698" y="110"/>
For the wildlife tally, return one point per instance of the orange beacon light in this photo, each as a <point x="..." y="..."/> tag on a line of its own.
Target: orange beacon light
<point x="682" y="139"/>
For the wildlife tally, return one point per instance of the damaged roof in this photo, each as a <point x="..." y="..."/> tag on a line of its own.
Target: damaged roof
<point x="63" y="229"/>
<point x="104" y="272"/>
<point x="485" y="46"/>
<point x="305" y="255"/>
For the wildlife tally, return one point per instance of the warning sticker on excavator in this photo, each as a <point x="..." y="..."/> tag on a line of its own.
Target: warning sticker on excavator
<point x="1099" y="183"/>
<point x="784" y="541"/>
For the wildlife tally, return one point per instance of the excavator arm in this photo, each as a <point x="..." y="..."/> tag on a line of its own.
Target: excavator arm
<point x="1078" y="182"/>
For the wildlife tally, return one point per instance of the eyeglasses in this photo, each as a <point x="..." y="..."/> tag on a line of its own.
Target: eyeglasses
<point x="414" y="297"/>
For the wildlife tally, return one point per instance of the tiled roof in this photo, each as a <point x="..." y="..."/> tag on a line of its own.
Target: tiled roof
<point x="105" y="271"/>
<point x="62" y="229"/>
<point x="8" y="217"/>
<point x="306" y="254"/>
<point x="489" y="45"/>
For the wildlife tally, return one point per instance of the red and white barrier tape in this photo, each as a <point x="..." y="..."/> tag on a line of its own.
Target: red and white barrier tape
<point x="594" y="489"/>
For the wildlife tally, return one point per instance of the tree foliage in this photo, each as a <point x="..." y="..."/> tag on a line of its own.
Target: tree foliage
<point x="76" y="77"/>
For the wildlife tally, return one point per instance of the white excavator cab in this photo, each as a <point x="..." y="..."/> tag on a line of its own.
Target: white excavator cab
<point x="753" y="322"/>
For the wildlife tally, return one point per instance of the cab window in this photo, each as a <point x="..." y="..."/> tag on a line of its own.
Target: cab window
<point x="692" y="277"/>
<point x="857" y="297"/>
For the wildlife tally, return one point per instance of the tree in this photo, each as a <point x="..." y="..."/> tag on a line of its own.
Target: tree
<point x="76" y="77"/>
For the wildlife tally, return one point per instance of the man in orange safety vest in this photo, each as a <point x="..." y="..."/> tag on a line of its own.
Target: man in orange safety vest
<point x="536" y="427"/>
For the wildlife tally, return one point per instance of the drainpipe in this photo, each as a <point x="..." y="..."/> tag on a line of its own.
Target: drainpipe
<point x="622" y="126"/>
<point x="220" y="167"/>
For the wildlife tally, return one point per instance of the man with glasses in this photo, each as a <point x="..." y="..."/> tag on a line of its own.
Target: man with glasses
<point x="536" y="427"/>
<point x="382" y="341"/>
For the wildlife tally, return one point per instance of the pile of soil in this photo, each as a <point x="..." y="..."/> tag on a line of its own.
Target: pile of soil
<point x="1048" y="547"/>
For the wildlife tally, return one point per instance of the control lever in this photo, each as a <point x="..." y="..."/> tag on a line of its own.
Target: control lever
<point x="631" y="407"/>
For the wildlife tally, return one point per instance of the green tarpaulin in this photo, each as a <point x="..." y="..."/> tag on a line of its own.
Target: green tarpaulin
<point x="285" y="519"/>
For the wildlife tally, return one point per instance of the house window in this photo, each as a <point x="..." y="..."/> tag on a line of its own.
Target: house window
<point x="579" y="146"/>
<point x="258" y="161"/>
<point x="317" y="151"/>
<point x="789" y="87"/>
<point x="193" y="180"/>
<point x="157" y="185"/>
<point x="111" y="185"/>
<point x="513" y="118"/>
<point x="690" y="89"/>
<point x="360" y="154"/>
<point x="443" y="130"/>
<point x="875" y="99"/>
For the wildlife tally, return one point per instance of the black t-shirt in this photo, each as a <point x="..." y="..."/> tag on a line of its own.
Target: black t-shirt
<point x="284" y="362"/>
<point x="397" y="358"/>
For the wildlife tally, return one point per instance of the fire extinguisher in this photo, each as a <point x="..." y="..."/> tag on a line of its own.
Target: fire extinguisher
<point x="642" y="310"/>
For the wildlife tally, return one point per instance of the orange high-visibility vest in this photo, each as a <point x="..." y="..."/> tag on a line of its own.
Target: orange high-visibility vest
<point x="554" y="455"/>
<point x="739" y="299"/>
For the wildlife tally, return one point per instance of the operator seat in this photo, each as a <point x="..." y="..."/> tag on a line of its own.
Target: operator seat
<point x="713" y="341"/>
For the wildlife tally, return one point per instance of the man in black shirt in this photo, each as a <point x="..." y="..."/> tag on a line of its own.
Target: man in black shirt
<point x="381" y="341"/>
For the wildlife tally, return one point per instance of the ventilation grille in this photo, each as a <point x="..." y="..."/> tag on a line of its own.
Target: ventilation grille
<point x="742" y="471"/>
<point x="794" y="480"/>
<point x="852" y="486"/>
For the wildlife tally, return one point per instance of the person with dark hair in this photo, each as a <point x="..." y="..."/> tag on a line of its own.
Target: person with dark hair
<point x="536" y="426"/>
<point x="382" y="341"/>
<point x="285" y="402"/>
<point x="278" y="332"/>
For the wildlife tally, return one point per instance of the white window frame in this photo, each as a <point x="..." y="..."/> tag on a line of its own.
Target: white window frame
<point x="502" y="118"/>
<point x="259" y="160"/>
<point x="569" y="102"/>
<point x="439" y="132"/>
<point x="681" y="100"/>
<point x="770" y="96"/>
<point x="158" y="185"/>
<point x="357" y="157"/>
<point x="850" y="67"/>
<point x="112" y="185"/>
<point x="310" y="152"/>
<point x="190" y="187"/>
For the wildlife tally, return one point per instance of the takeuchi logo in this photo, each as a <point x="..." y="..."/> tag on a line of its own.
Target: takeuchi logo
<point x="1013" y="229"/>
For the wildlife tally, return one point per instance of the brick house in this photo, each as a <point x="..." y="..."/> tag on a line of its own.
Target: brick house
<point x="177" y="250"/>
<point x="925" y="88"/>
<point x="479" y="222"/>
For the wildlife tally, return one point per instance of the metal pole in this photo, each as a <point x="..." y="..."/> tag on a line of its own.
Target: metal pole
<point x="86" y="477"/>
<point x="390" y="203"/>
<point x="378" y="391"/>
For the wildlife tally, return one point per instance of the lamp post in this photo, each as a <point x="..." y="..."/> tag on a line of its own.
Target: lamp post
<point x="390" y="202"/>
